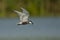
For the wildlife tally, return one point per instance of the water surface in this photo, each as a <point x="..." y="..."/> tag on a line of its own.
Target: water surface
<point x="42" y="29"/>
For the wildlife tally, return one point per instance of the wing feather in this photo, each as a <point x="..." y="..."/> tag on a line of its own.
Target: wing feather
<point x="23" y="16"/>
<point x="25" y="11"/>
<point x="19" y="13"/>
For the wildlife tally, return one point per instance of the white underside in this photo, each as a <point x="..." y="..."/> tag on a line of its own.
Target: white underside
<point x="19" y="23"/>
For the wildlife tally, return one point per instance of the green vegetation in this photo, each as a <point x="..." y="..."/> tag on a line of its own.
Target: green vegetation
<point x="35" y="7"/>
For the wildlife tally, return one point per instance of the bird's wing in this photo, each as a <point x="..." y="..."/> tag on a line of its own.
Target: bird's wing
<point x="23" y="16"/>
<point x="19" y="13"/>
<point x="25" y="11"/>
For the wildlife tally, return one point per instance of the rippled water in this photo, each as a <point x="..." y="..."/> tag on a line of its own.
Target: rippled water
<point x="42" y="29"/>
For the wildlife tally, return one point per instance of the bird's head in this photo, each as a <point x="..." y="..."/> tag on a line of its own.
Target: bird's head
<point x="30" y="22"/>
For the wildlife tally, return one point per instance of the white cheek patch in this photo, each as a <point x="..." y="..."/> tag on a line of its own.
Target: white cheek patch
<point x="30" y="22"/>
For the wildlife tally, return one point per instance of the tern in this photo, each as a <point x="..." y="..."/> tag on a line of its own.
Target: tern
<point x="23" y="17"/>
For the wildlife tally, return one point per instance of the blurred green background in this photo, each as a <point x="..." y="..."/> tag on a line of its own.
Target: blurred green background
<point x="36" y="8"/>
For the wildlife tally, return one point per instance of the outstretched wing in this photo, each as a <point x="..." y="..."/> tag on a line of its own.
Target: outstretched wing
<point x="19" y="13"/>
<point x="23" y="16"/>
<point x="25" y="11"/>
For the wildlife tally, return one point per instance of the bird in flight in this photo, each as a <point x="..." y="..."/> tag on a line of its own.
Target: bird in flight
<point x="23" y="17"/>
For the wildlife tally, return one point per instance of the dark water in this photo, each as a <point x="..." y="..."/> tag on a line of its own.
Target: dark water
<point x="42" y="29"/>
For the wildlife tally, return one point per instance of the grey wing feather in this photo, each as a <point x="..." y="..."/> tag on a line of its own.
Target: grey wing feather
<point x="23" y="16"/>
<point x="25" y="11"/>
<point x="19" y="13"/>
